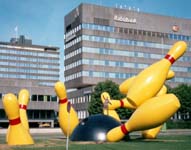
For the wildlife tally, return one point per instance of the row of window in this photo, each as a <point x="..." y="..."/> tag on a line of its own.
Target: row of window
<point x="44" y="98"/>
<point x="116" y="76"/>
<point x="29" y="76"/>
<point x="26" y="70"/>
<point x="73" y="53"/>
<point x="110" y="40"/>
<point x="121" y="53"/>
<point x="82" y="99"/>
<point x="82" y="114"/>
<point x="135" y="31"/>
<point x="171" y="36"/>
<point x="46" y="83"/>
<point x="99" y="74"/>
<point x="41" y="114"/>
<point x="119" y="64"/>
<point x="29" y="53"/>
<point x="29" y="65"/>
<point x="126" y="42"/>
<point x="73" y="42"/>
<point x="31" y="59"/>
<point x="73" y="31"/>
<point x="34" y="114"/>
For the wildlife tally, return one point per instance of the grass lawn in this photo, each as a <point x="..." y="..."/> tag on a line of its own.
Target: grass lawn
<point x="57" y="142"/>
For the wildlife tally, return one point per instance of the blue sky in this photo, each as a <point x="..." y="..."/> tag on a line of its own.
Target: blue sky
<point x="43" y="20"/>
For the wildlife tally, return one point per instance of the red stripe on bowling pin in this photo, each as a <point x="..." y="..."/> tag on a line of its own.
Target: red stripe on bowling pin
<point x="123" y="129"/>
<point x="21" y="106"/>
<point x="170" y="58"/>
<point x="15" y="121"/>
<point x="122" y="103"/>
<point x="62" y="101"/>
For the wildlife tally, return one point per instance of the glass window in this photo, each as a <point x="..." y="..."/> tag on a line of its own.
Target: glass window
<point x="54" y="98"/>
<point x="34" y="98"/>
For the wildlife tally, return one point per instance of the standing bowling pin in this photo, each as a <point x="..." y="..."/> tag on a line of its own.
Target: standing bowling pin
<point x="149" y="115"/>
<point x="63" y="113"/>
<point x="110" y="106"/>
<point x="18" y="135"/>
<point x="152" y="78"/>
<point x="23" y="99"/>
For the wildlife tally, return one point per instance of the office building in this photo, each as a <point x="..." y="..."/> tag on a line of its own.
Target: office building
<point x="34" y="67"/>
<point x="115" y="43"/>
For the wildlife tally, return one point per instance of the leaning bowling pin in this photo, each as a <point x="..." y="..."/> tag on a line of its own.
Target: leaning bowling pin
<point x="149" y="115"/>
<point x="151" y="133"/>
<point x="68" y="120"/>
<point x="152" y="78"/>
<point x="23" y="99"/>
<point x="18" y="135"/>
<point x="124" y="86"/>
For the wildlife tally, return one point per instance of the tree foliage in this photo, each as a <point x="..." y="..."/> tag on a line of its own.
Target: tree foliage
<point x="96" y="106"/>
<point x="183" y="92"/>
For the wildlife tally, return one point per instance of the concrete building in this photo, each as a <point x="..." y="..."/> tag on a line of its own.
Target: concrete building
<point x="114" y="43"/>
<point x="34" y="67"/>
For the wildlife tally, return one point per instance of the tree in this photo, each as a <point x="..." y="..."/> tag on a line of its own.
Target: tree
<point x="96" y="106"/>
<point x="183" y="92"/>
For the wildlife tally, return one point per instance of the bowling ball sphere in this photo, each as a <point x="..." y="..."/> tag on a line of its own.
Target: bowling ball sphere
<point x="94" y="128"/>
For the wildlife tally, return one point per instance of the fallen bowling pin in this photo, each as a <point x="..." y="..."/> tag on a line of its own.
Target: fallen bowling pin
<point x="151" y="133"/>
<point x="149" y="115"/>
<point x="68" y="120"/>
<point x="18" y="135"/>
<point x="152" y="78"/>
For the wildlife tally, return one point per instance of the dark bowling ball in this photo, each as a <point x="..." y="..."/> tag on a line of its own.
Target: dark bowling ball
<point x="94" y="128"/>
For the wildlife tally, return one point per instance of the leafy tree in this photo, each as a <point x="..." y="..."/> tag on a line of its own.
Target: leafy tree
<point x="183" y="92"/>
<point x="96" y="106"/>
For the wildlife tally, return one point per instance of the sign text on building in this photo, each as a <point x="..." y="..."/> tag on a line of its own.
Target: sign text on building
<point x="125" y="19"/>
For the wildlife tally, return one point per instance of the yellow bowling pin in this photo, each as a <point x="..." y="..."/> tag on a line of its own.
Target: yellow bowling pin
<point x="152" y="78"/>
<point x="23" y="99"/>
<point x="109" y="106"/>
<point x="23" y="102"/>
<point x="151" y="133"/>
<point x="149" y="115"/>
<point x="67" y="121"/>
<point x="114" y="104"/>
<point x="124" y="86"/>
<point x="18" y="135"/>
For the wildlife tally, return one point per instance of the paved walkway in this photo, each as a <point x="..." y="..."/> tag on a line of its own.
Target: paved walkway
<point x="38" y="130"/>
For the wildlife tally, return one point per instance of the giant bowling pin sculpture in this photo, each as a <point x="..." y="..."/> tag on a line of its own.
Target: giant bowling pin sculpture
<point x="18" y="135"/>
<point x="63" y="113"/>
<point x="141" y="92"/>
<point x="152" y="78"/>
<point x="149" y="115"/>
<point x="23" y="100"/>
<point x="152" y="133"/>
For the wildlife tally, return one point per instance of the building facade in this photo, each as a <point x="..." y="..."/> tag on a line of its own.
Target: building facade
<point x="34" y="67"/>
<point x="112" y="43"/>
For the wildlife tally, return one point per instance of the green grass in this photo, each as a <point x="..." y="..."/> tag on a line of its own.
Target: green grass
<point x="57" y="142"/>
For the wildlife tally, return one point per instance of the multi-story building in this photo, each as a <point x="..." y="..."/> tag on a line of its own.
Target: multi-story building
<point x="34" y="67"/>
<point x="112" y="43"/>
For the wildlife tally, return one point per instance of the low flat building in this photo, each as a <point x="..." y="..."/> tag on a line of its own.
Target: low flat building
<point x="34" y="67"/>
